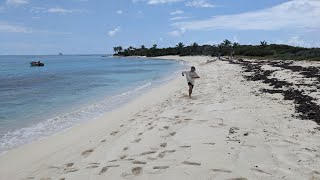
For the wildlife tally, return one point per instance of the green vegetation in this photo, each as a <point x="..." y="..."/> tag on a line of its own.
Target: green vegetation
<point x="226" y="48"/>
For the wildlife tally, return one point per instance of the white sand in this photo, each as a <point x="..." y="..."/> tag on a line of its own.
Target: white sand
<point x="165" y="135"/>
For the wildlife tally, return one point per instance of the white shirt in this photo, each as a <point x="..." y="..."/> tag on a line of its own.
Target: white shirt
<point x="190" y="76"/>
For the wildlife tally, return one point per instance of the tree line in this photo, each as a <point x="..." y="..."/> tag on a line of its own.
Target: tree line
<point x="226" y="48"/>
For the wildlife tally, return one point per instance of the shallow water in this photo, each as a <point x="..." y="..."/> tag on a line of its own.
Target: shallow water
<point x="39" y="101"/>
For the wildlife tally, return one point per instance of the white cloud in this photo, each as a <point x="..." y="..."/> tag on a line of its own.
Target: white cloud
<point x="119" y="12"/>
<point x="57" y="10"/>
<point x="200" y="4"/>
<point x="113" y="32"/>
<point x="295" y="14"/>
<point x="37" y="9"/>
<point x="298" y="41"/>
<point x="176" y="12"/>
<point x="177" y="33"/>
<point x="179" y="18"/>
<point x="6" y="27"/>
<point x="64" y="11"/>
<point x="17" y="2"/>
<point x="154" y="2"/>
<point x="13" y="28"/>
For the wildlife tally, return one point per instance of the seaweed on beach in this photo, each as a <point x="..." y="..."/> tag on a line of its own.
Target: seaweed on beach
<point x="305" y="105"/>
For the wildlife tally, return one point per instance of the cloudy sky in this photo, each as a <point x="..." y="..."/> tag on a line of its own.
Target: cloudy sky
<point x="95" y="26"/>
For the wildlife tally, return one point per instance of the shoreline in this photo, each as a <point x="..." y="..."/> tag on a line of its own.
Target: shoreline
<point x="45" y="146"/>
<point x="90" y="109"/>
<point x="227" y="130"/>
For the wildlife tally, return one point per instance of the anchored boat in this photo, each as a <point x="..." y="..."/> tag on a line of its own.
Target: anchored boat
<point x="34" y="63"/>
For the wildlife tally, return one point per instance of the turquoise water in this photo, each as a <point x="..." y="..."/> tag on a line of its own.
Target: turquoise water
<point x="39" y="101"/>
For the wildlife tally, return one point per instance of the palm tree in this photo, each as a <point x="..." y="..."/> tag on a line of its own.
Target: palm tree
<point x="235" y="44"/>
<point x="120" y="48"/>
<point x="154" y="46"/>
<point x="194" y="46"/>
<point x="263" y="43"/>
<point x="226" y="43"/>
<point x="115" y="49"/>
<point x="143" y="47"/>
<point x="180" y="45"/>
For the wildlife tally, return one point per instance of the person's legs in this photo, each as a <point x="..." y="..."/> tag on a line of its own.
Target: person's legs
<point x="190" y="89"/>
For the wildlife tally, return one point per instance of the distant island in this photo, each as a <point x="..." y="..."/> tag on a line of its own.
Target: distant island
<point x="226" y="48"/>
<point x="60" y="54"/>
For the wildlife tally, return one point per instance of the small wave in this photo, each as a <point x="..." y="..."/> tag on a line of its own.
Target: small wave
<point x="51" y="126"/>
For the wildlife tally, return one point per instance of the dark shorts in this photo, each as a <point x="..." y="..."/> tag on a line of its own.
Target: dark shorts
<point x="189" y="84"/>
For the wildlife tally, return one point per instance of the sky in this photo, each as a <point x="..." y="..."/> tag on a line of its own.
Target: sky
<point x="96" y="26"/>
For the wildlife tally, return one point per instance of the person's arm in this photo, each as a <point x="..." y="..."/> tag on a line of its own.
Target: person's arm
<point x="183" y="72"/>
<point x="195" y="76"/>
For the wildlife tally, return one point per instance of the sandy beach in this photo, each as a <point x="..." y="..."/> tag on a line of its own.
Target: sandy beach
<point x="232" y="128"/>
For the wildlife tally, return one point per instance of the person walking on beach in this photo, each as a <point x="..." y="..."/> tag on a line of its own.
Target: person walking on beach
<point x="191" y="76"/>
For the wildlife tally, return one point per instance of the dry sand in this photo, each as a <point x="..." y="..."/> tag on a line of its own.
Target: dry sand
<point x="228" y="130"/>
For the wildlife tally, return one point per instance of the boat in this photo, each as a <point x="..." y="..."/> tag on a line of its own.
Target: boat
<point x="34" y="63"/>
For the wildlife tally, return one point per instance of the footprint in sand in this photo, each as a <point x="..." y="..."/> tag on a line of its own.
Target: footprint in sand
<point x="129" y="159"/>
<point x="185" y="146"/>
<point x="69" y="164"/>
<point x="92" y="167"/>
<point x="163" y="145"/>
<point x="147" y="152"/>
<point x="69" y="170"/>
<point x="166" y="127"/>
<point x="103" y="140"/>
<point x="105" y="169"/>
<point x="160" y="167"/>
<point x="150" y="128"/>
<point x="221" y="170"/>
<point x="114" y="133"/>
<point x="164" y="153"/>
<point x="170" y="134"/>
<point x="125" y="148"/>
<point x="123" y="156"/>
<point x="136" y="140"/>
<point x="87" y="152"/>
<point x="191" y="163"/>
<point x="136" y="171"/>
<point x="140" y="134"/>
<point x="260" y="171"/>
<point x="239" y="178"/>
<point x="139" y="162"/>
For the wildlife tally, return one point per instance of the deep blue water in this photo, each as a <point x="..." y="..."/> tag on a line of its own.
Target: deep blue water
<point x="38" y="101"/>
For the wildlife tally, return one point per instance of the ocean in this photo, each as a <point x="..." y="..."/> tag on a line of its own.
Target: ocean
<point x="36" y="102"/>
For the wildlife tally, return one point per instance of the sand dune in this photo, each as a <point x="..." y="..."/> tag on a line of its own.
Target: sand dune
<point x="230" y="129"/>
